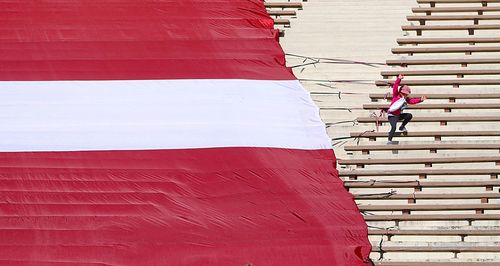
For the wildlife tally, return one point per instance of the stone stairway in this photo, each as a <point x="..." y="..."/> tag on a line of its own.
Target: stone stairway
<point x="434" y="198"/>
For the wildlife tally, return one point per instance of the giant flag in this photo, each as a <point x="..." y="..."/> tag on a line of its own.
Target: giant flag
<point x="162" y="132"/>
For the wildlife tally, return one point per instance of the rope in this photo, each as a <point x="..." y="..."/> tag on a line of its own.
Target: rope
<point x="354" y="123"/>
<point x="384" y="194"/>
<point x="327" y="60"/>
<point x="381" y="243"/>
<point x="381" y="250"/>
<point x="386" y="95"/>
<point x="377" y="118"/>
<point x="362" y="134"/>
<point x="339" y="144"/>
<point x="358" y="81"/>
<point x="382" y="228"/>
<point x="358" y="138"/>
<point x="305" y="64"/>
<point x="388" y="181"/>
<point x="341" y="108"/>
<point x="338" y="93"/>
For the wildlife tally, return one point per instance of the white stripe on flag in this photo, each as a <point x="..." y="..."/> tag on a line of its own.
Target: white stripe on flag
<point x="157" y="114"/>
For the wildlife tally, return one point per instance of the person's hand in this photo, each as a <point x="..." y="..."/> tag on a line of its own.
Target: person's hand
<point x="401" y="76"/>
<point x="423" y="98"/>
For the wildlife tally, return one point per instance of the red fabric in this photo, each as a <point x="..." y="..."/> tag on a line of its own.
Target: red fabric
<point x="226" y="206"/>
<point x="101" y="40"/>
<point x="396" y="96"/>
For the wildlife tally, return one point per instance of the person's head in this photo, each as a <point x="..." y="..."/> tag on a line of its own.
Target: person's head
<point x="405" y="91"/>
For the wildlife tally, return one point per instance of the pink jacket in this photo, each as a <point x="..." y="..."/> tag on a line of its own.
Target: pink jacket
<point x="396" y="96"/>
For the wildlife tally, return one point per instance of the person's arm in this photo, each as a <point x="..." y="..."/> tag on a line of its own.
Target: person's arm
<point x="416" y="100"/>
<point x="395" y="87"/>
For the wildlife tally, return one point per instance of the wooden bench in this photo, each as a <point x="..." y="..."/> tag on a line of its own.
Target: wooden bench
<point x="460" y="73"/>
<point x="461" y="61"/>
<point x="440" y="248"/>
<point x="428" y="263"/>
<point x="441" y="82"/>
<point x="487" y="232"/>
<point x="440" y="196"/>
<point x="433" y="147"/>
<point x="280" y="13"/>
<point x="447" y="107"/>
<point x="458" y="232"/>
<point x="430" y="10"/>
<point x="470" y="40"/>
<point x="412" y="198"/>
<point x="468" y="50"/>
<point x="443" y="120"/>
<point x="282" y="22"/>
<point x="427" y="161"/>
<point x="434" y="2"/>
<point x="476" y="18"/>
<point x="418" y="185"/>
<point x="408" y="208"/>
<point x="283" y="5"/>
<point x="456" y="1"/>
<point x="433" y="217"/>
<point x="450" y="96"/>
<point x="422" y="173"/>
<point x="470" y="28"/>
<point x="438" y="135"/>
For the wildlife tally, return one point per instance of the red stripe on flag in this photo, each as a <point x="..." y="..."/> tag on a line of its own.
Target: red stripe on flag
<point x="224" y="206"/>
<point x="110" y="40"/>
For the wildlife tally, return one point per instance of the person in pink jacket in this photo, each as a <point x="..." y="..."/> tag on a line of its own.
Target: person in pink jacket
<point x="399" y="102"/>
